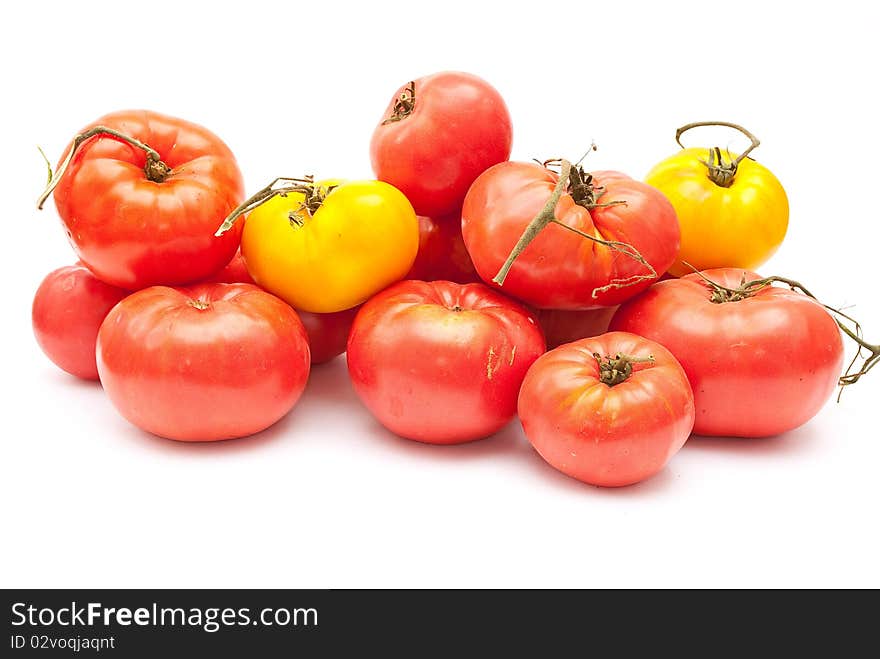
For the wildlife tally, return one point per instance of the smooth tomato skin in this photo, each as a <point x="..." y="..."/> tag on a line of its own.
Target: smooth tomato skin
<point x="560" y="269"/>
<point x="606" y="435"/>
<point x="459" y="127"/>
<point x="561" y="326"/>
<point x="133" y="232"/>
<point x="364" y="237"/>
<point x="440" y="362"/>
<point x="758" y="367"/>
<point x="67" y="312"/>
<point x="234" y="272"/>
<point x="740" y="226"/>
<point x="187" y="373"/>
<point x="328" y="332"/>
<point x="442" y="254"/>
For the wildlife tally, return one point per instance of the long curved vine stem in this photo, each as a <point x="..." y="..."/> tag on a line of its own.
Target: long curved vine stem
<point x="721" y="173"/>
<point x="281" y="187"/>
<point x="154" y="169"/>
<point x="573" y="180"/>
<point x="746" y="289"/>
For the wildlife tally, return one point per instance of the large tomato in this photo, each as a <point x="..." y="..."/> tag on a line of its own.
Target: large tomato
<point x="328" y="332"/>
<point x="609" y="410"/>
<point x="732" y="210"/>
<point x="562" y="326"/>
<point x="213" y="361"/>
<point x="68" y="310"/>
<point x="437" y="135"/>
<point x="142" y="196"/>
<point x="558" y="268"/>
<point x="327" y="246"/>
<point x="760" y="363"/>
<point x="442" y="254"/>
<point x="440" y="362"/>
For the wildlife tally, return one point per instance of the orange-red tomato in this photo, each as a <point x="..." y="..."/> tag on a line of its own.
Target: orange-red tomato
<point x="440" y="362"/>
<point x="208" y="362"/>
<point x="442" y="254"/>
<point x="605" y="423"/>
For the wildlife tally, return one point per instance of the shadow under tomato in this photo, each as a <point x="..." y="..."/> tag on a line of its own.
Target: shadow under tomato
<point x="802" y="439"/>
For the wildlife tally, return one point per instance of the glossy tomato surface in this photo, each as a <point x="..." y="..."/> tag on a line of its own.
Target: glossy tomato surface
<point x="560" y="269"/>
<point x="437" y="135"/>
<point x="602" y="434"/>
<point x="440" y="362"/>
<point x="740" y="225"/>
<point x="442" y="254"/>
<point x="363" y="237"/>
<point x="234" y="272"/>
<point x="208" y="362"/>
<point x="759" y="366"/>
<point x="67" y="312"/>
<point x="134" y="232"/>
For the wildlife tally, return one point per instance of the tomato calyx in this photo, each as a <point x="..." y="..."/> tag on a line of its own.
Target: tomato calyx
<point x="617" y="369"/>
<point x="721" y="173"/>
<point x="571" y="178"/>
<point x="201" y="305"/>
<point x="280" y="187"/>
<point x="154" y="169"/>
<point x="404" y="104"/>
<point x="869" y="353"/>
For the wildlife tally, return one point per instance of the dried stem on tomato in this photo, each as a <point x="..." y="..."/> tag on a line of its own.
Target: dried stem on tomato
<point x="154" y="169"/>
<point x="721" y="173"/>
<point x="574" y="181"/>
<point x="722" y="294"/>
<point x="281" y="187"/>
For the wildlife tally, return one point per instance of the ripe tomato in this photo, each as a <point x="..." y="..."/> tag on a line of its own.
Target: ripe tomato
<point x="760" y="364"/>
<point x="328" y="246"/>
<point x="234" y="272"/>
<point x="68" y="309"/>
<point x="141" y="203"/>
<point x="328" y="332"/>
<point x="437" y="135"/>
<point x="208" y="362"/>
<point x="601" y="411"/>
<point x="732" y="213"/>
<point x="440" y="362"/>
<point x="562" y="326"/>
<point x="442" y="254"/>
<point x="558" y="268"/>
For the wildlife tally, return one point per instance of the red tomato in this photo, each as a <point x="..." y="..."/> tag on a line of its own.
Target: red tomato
<point x="612" y="423"/>
<point x="759" y="366"/>
<point x="440" y="362"/>
<point x="442" y="254"/>
<point x="68" y="309"/>
<point x="328" y="332"/>
<point x="562" y="326"/>
<point x="560" y="269"/>
<point x="234" y="272"/>
<point x="437" y="135"/>
<point x="136" y="220"/>
<point x="213" y="361"/>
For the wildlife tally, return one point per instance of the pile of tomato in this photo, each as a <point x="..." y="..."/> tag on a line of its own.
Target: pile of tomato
<point x="444" y="281"/>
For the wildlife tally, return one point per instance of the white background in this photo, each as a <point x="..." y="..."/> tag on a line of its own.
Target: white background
<point x="327" y="498"/>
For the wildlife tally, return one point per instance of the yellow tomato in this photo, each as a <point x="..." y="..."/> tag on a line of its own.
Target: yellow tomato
<point x="333" y="246"/>
<point x="738" y="226"/>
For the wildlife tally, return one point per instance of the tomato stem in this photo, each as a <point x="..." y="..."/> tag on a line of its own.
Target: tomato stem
<point x="404" y="104"/>
<point x="154" y="169"/>
<point x="282" y="186"/>
<point x="573" y="180"/>
<point x="747" y="289"/>
<point x="617" y="369"/>
<point x="721" y="173"/>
